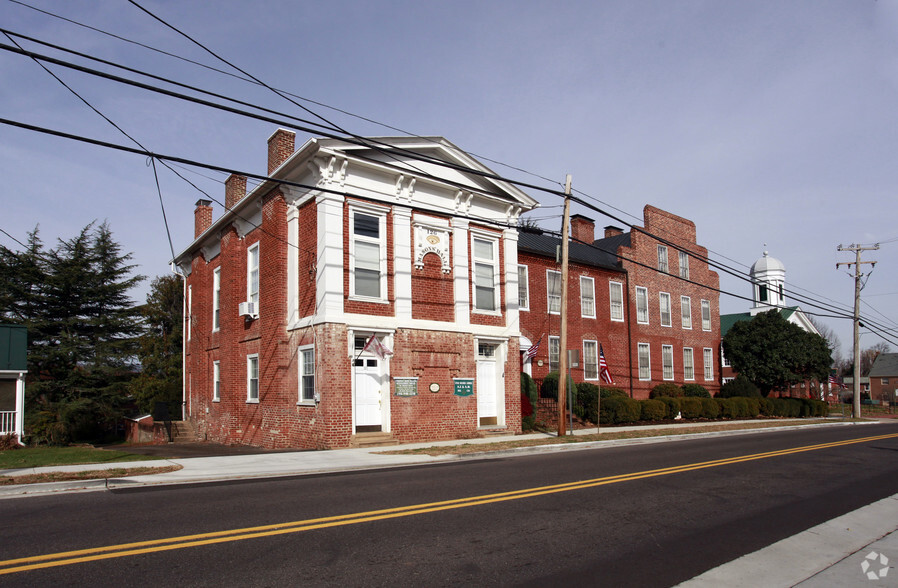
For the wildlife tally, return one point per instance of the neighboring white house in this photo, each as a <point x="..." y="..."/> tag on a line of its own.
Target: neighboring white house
<point x="13" y="367"/>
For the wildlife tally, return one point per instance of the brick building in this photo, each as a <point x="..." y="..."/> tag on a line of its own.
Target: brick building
<point x="367" y="296"/>
<point x="646" y="297"/>
<point x="884" y="378"/>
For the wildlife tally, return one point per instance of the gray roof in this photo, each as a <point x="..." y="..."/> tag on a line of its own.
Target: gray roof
<point x="885" y="365"/>
<point x="602" y="252"/>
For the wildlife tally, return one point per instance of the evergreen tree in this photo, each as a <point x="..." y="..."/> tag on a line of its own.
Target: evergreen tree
<point x="160" y="347"/>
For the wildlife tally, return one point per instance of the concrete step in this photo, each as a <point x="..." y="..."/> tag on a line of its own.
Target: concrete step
<point x="183" y="432"/>
<point x="379" y="439"/>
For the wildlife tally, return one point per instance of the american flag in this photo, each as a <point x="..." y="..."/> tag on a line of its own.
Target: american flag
<point x="531" y="353"/>
<point x="603" y="367"/>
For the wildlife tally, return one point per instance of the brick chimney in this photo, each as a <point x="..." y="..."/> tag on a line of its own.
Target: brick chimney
<point x="612" y="231"/>
<point x="235" y="190"/>
<point x="202" y="217"/>
<point x="583" y="228"/>
<point x="280" y="147"/>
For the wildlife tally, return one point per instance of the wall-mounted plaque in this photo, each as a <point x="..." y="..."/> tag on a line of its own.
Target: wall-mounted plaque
<point x="406" y="386"/>
<point x="464" y="386"/>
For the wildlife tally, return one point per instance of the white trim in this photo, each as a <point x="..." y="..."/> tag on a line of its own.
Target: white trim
<point x="216" y="299"/>
<point x="619" y="287"/>
<point x="249" y="359"/>
<point x="662" y="296"/>
<point x="592" y="287"/>
<point x="216" y="381"/>
<point x="595" y="356"/>
<point x="355" y="209"/>
<point x="492" y="262"/>
<point x="645" y="292"/>
<point x="709" y="326"/>
<point x="688" y="304"/>
<point x="253" y="295"/>
<point x="691" y="364"/>
<point x="708" y="353"/>
<point x="549" y="292"/>
<point x="667" y="352"/>
<point x="525" y="286"/>
<point x="648" y="365"/>
<point x="301" y="373"/>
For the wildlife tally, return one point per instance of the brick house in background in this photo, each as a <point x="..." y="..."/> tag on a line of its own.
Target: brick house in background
<point x="884" y="378"/>
<point x="647" y="297"/>
<point x="370" y="297"/>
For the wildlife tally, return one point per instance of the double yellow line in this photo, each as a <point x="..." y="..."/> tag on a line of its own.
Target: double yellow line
<point x="141" y="547"/>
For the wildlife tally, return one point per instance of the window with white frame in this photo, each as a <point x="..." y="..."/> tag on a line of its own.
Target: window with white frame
<point x="724" y="362"/>
<point x="667" y="364"/>
<point x="662" y="258"/>
<point x="368" y="255"/>
<point x="616" y="294"/>
<point x="216" y="299"/>
<point x="252" y="275"/>
<point x="523" y="288"/>
<point x="486" y="272"/>
<point x="587" y="297"/>
<point x="252" y="378"/>
<point x="688" y="365"/>
<point x="642" y="305"/>
<point x="216" y="381"/>
<point x="645" y="366"/>
<point x="554" y="353"/>
<point x="709" y="363"/>
<point x="706" y="315"/>
<point x="307" y="374"/>
<point x="664" y="299"/>
<point x="686" y="311"/>
<point x="553" y="291"/>
<point x="684" y="265"/>
<point x="590" y="360"/>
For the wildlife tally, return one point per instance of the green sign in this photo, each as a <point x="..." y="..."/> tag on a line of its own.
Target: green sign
<point x="406" y="386"/>
<point x="464" y="386"/>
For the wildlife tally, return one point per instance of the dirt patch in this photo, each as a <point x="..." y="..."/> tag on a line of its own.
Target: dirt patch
<point x="90" y="475"/>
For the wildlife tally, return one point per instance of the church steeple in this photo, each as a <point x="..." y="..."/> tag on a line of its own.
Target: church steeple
<point x="768" y="277"/>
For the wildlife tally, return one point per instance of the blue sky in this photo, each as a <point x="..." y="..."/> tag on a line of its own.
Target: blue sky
<point x="762" y="121"/>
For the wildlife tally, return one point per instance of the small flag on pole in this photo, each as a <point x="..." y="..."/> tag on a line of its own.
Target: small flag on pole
<point x="603" y="367"/>
<point x="531" y="353"/>
<point x="376" y="347"/>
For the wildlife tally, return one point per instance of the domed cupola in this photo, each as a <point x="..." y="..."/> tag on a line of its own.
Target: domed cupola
<point x="768" y="276"/>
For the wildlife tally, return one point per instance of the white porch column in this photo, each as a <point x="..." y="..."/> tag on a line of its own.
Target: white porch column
<point x="510" y="244"/>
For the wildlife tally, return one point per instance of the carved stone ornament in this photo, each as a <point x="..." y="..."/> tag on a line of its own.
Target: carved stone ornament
<point x="432" y="240"/>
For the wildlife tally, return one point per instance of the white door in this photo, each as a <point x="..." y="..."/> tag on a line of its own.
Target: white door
<point x="487" y="408"/>
<point x="367" y="393"/>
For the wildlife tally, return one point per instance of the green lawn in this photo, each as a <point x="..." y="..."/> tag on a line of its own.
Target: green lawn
<point x="32" y="457"/>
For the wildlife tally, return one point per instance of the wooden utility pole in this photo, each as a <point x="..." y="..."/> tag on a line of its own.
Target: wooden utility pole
<point x="562" y="352"/>
<point x="856" y="405"/>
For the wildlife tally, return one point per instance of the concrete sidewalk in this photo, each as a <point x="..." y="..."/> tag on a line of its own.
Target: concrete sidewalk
<point x="831" y="554"/>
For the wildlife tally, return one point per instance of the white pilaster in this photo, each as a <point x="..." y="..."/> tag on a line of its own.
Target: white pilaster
<point x="402" y="262"/>
<point x="329" y="274"/>
<point x="512" y="314"/>
<point x="461" y="266"/>
<point x="292" y="264"/>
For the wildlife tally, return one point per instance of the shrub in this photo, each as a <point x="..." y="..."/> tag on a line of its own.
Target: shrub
<point x="710" y="409"/>
<point x="740" y="407"/>
<point x="618" y="410"/>
<point x="587" y="400"/>
<point x="526" y="407"/>
<point x="528" y="388"/>
<point x="610" y="392"/>
<point x="740" y="387"/>
<point x="9" y="441"/>
<point x="767" y="406"/>
<point x="673" y="406"/>
<point x="727" y="408"/>
<point x="550" y="387"/>
<point x="691" y="408"/>
<point x="754" y="407"/>
<point x="668" y="389"/>
<point x="653" y="410"/>
<point x="695" y="391"/>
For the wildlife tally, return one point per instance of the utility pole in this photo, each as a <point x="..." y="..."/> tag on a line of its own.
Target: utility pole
<point x="856" y="406"/>
<point x="562" y="352"/>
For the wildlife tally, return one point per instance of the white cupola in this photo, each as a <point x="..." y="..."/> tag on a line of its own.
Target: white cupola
<point x="768" y="277"/>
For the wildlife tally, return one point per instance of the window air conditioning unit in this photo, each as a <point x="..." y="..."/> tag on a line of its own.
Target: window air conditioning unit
<point x="248" y="309"/>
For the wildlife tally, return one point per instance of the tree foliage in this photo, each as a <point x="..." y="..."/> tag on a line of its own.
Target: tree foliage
<point x="160" y="347"/>
<point x="81" y="330"/>
<point x="774" y="353"/>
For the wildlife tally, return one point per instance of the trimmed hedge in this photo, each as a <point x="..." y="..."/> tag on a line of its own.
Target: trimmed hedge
<point x="695" y="391"/>
<point x="653" y="410"/>
<point x="550" y="387"/>
<point x="673" y="406"/>
<point x="691" y="408"/>
<point x="666" y="389"/>
<point x="619" y="410"/>
<point x="740" y="387"/>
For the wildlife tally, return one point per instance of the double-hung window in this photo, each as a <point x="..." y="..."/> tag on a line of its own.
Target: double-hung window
<point x="486" y="272"/>
<point x="688" y="365"/>
<point x="216" y="381"/>
<point x="667" y="367"/>
<point x="307" y="374"/>
<point x="709" y="363"/>
<point x="616" y="293"/>
<point x="662" y="258"/>
<point x="587" y="297"/>
<point x="553" y="291"/>
<point x="590" y="360"/>
<point x="368" y="258"/>
<point x="252" y="276"/>
<point x="684" y="265"/>
<point x="645" y="367"/>
<point x="664" y="298"/>
<point x="706" y="315"/>
<point x="554" y="353"/>
<point x="252" y="378"/>
<point x="523" y="288"/>
<point x="686" y="311"/>
<point x="216" y="299"/>
<point x="642" y="305"/>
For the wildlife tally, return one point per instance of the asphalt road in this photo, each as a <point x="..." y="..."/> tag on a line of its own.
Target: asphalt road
<point x="647" y="515"/>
